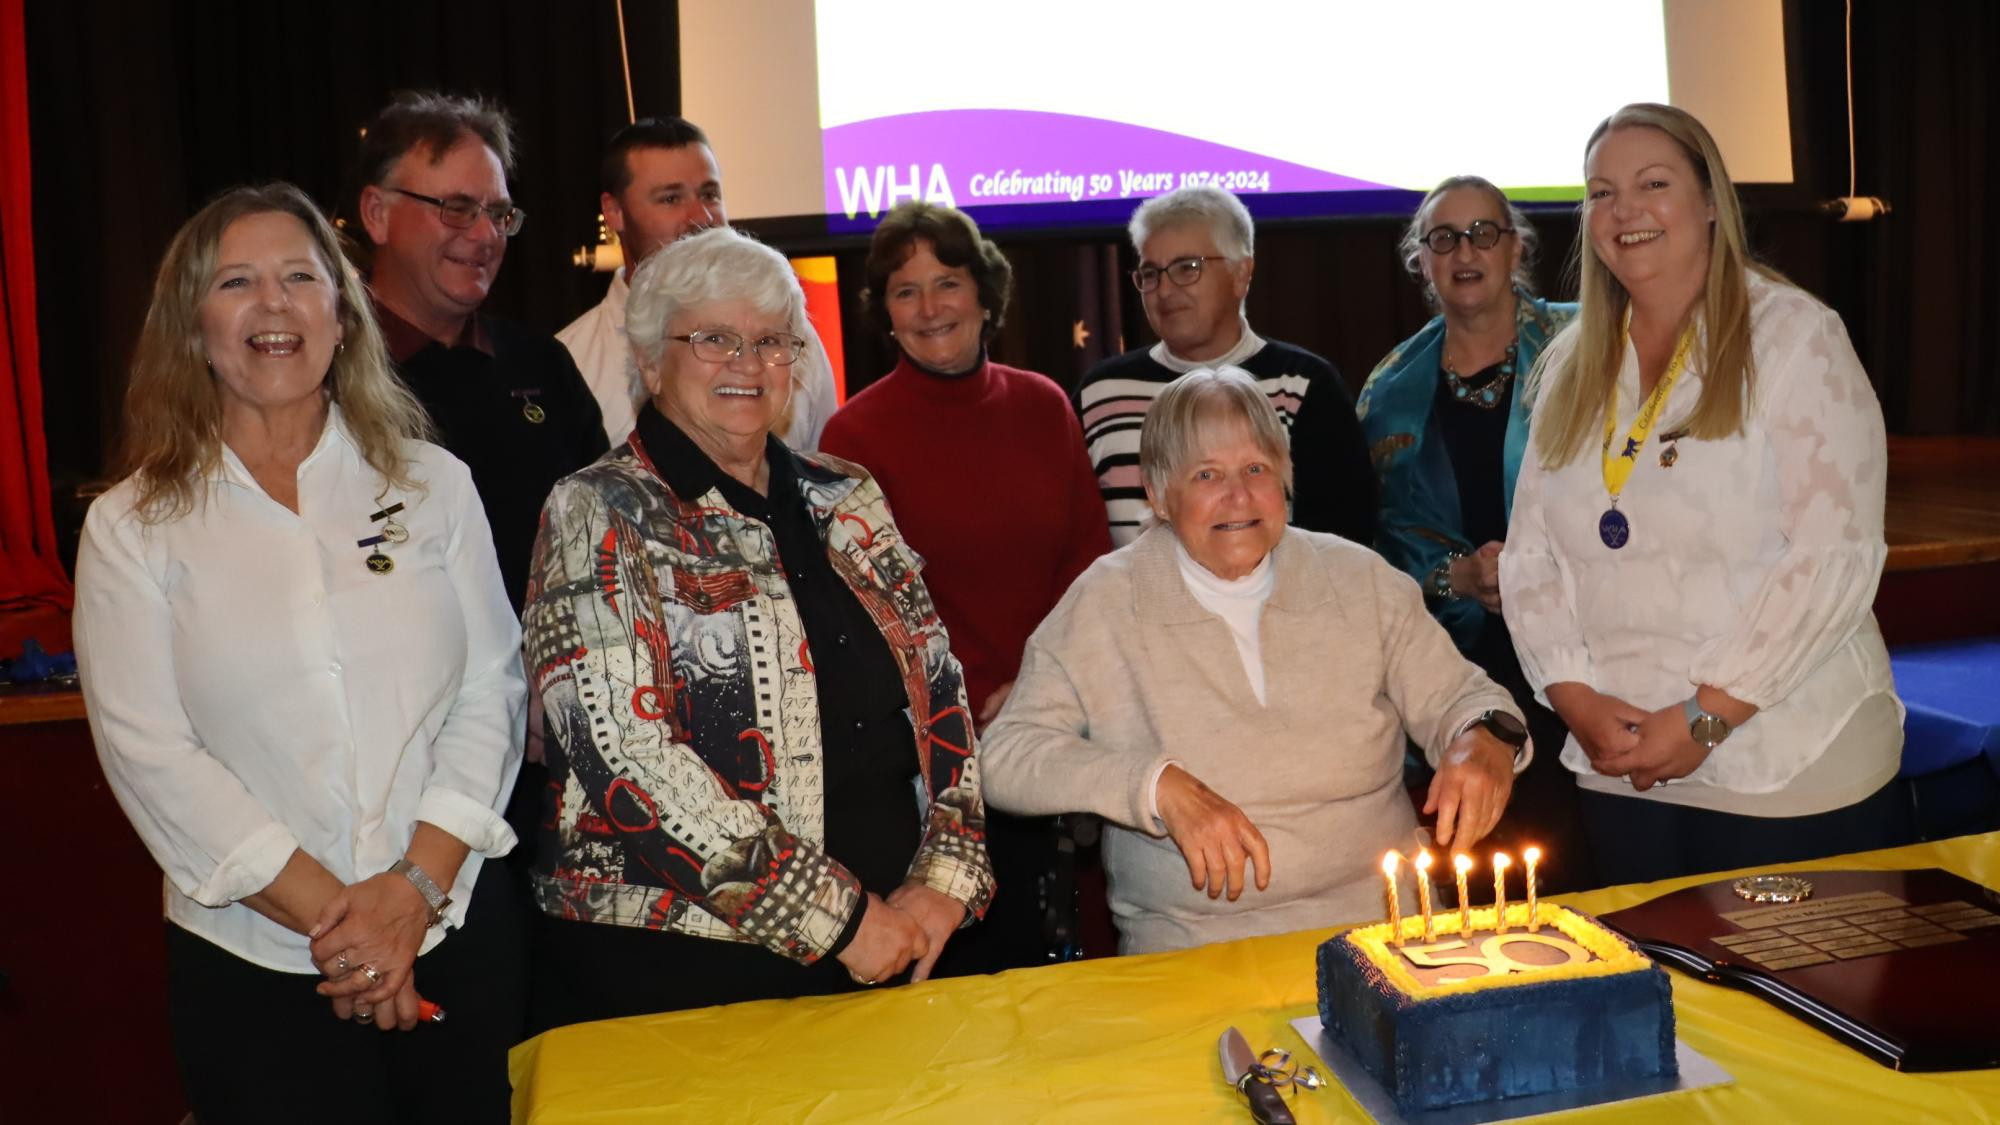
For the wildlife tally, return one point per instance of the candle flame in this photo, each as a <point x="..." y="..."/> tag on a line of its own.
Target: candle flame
<point x="1501" y="862"/>
<point x="1390" y="861"/>
<point x="1532" y="854"/>
<point x="1423" y="860"/>
<point x="1462" y="862"/>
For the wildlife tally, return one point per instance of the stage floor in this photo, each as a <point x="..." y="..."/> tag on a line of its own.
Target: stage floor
<point x="1944" y="502"/>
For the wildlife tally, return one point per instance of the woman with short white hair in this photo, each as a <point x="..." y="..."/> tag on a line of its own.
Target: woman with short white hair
<point x="1232" y="696"/>
<point x="764" y="783"/>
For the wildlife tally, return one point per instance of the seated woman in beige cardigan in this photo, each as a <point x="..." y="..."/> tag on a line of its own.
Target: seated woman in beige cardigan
<point x="1229" y="693"/>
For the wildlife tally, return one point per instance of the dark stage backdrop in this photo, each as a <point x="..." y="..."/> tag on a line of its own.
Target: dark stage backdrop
<point x="141" y="112"/>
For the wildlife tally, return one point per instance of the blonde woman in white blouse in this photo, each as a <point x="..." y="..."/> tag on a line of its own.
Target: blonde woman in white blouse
<point x="303" y="679"/>
<point x="1697" y="535"/>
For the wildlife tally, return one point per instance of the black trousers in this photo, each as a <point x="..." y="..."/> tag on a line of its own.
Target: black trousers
<point x="1638" y="841"/>
<point x="256" y="1045"/>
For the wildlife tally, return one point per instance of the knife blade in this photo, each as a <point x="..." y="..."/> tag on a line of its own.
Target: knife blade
<point x="1238" y="1062"/>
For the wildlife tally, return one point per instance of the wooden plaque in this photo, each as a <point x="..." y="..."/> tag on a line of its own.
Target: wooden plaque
<point x="1902" y="965"/>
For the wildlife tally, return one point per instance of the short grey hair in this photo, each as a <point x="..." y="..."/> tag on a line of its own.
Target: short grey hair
<point x="1412" y="249"/>
<point x="720" y="264"/>
<point x="1227" y="220"/>
<point x="1188" y="413"/>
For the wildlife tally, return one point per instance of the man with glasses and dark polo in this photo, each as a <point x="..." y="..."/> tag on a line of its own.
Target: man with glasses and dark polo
<point x="508" y="401"/>
<point x="1195" y="261"/>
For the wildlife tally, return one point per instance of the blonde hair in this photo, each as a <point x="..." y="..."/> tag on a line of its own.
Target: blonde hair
<point x="1193" y="407"/>
<point x="172" y="433"/>
<point x="1579" y="380"/>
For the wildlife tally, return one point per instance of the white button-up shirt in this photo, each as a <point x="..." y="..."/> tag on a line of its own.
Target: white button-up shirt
<point x="596" y="341"/>
<point x="1751" y="567"/>
<point x="254" y="688"/>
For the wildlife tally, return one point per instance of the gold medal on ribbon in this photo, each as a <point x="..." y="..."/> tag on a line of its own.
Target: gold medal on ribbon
<point x="1613" y="527"/>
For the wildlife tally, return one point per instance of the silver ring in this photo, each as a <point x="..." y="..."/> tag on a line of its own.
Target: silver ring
<point x="369" y="972"/>
<point x="340" y="963"/>
<point x="364" y="1017"/>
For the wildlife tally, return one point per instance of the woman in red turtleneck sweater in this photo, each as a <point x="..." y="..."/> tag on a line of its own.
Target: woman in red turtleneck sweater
<point x="984" y="467"/>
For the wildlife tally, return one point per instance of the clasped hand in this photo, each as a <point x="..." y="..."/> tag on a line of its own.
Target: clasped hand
<point x="911" y="926"/>
<point x="1662" y="749"/>
<point x="379" y="923"/>
<point x="1646" y="748"/>
<point x="1477" y="575"/>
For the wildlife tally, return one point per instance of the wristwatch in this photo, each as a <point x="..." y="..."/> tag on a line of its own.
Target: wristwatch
<point x="1504" y="727"/>
<point x="1705" y="727"/>
<point x="434" y="898"/>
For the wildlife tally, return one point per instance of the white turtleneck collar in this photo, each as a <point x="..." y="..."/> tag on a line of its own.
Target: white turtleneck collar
<point x="1247" y="345"/>
<point x="1238" y="602"/>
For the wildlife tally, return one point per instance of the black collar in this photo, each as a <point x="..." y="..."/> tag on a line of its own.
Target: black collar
<point x="690" y="473"/>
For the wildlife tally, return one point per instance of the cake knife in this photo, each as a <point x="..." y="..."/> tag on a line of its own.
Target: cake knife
<point x="1239" y="1066"/>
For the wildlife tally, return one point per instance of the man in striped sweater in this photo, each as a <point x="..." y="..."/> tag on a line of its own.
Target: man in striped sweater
<point x="1194" y="271"/>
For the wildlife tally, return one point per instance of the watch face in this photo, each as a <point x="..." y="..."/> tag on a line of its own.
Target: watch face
<point x="1505" y="727"/>
<point x="1708" y="730"/>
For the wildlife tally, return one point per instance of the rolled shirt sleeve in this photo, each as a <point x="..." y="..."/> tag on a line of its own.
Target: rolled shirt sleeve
<point x="215" y="842"/>
<point x="476" y="756"/>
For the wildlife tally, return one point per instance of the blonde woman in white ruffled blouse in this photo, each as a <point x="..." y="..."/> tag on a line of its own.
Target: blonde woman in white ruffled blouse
<point x="1700" y="614"/>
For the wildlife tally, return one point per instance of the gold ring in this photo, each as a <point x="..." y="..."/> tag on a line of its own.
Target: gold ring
<point x="369" y="972"/>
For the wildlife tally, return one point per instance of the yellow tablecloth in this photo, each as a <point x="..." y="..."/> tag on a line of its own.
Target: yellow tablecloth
<point x="1133" y="1039"/>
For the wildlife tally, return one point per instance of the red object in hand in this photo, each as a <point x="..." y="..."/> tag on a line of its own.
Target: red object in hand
<point x="428" y="1012"/>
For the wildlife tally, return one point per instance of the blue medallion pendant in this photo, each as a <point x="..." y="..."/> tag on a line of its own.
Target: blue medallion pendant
<point x="1614" y="528"/>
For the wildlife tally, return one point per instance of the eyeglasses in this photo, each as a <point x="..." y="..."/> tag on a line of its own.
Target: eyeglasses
<point x="1482" y="234"/>
<point x="716" y="345"/>
<point x="1184" y="271"/>
<point x="462" y="211"/>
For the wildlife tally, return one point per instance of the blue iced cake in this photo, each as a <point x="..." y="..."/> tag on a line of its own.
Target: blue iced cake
<point x="1484" y="1015"/>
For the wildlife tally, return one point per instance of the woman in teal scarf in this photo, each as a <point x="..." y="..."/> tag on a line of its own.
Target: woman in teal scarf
<point x="1446" y="424"/>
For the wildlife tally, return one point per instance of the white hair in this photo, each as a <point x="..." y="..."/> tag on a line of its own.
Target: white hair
<point x="1188" y="413"/>
<point x="1227" y="220"/>
<point x="720" y="264"/>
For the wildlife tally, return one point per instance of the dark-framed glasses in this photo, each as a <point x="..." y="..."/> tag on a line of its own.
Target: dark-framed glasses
<point x="1184" y="271"/>
<point x="462" y="211"/>
<point x="1482" y="234"/>
<point x="718" y="345"/>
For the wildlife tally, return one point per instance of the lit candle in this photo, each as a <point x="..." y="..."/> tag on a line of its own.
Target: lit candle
<point x="1500" y="864"/>
<point x="1424" y="892"/>
<point x="1532" y="855"/>
<point x="1389" y="863"/>
<point x="1463" y="863"/>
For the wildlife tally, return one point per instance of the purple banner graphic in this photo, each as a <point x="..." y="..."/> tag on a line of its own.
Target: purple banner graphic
<point x="979" y="157"/>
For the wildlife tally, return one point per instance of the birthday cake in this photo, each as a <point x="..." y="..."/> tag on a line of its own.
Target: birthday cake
<point x="1479" y="1016"/>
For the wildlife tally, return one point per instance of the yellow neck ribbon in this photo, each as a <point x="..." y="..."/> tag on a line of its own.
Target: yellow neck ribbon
<point x="1618" y="466"/>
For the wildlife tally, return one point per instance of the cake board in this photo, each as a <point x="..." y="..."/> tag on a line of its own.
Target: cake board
<point x="1697" y="1072"/>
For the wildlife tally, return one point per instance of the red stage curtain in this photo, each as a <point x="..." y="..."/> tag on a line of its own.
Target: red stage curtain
<point x="31" y="575"/>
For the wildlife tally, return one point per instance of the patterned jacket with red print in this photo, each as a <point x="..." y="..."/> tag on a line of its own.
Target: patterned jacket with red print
<point x="685" y="753"/>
